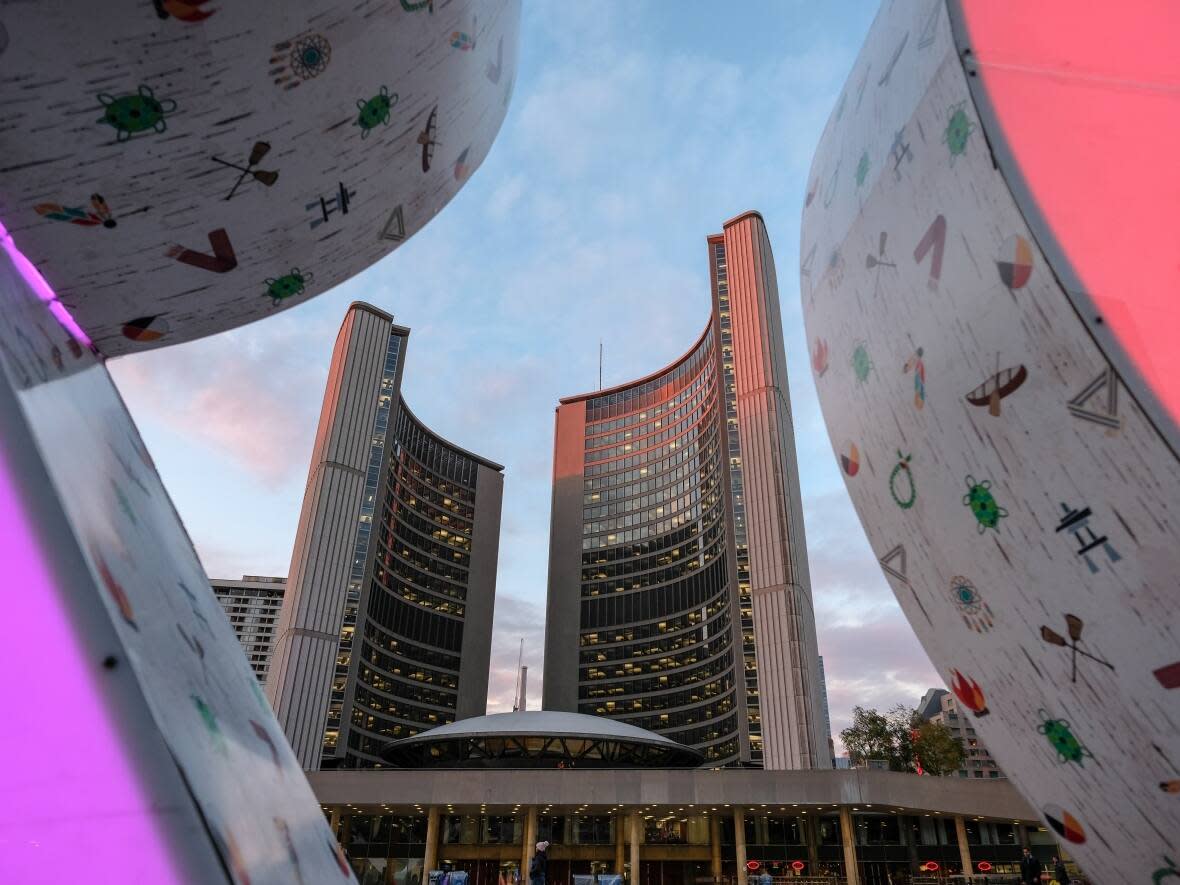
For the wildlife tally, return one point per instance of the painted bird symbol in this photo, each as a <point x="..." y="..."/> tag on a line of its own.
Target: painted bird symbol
<point x="98" y="213"/>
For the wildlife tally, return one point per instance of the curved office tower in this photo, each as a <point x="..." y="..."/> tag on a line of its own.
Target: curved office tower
<point x="386" y="625"/>
<point x="679" y="598"/>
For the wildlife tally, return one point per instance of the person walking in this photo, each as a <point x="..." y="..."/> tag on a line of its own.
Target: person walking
<point x="1059" y="873"/>
<point x="539" y="865"/>
<point x="1030" y="869"/>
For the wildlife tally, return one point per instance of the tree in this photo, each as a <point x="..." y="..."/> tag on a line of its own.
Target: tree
<point x="902" y="739"/>
<point x="937" y="749"/>
<point x="873" y="736"/>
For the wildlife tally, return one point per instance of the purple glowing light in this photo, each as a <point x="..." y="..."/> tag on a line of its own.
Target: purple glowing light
<point x="68" y="793"/>
<point x="37" y="283"/>
<point x="70" y="797"/>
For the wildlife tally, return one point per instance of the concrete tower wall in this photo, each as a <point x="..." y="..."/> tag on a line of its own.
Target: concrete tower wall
<point x="784" y="618"/>
<point x="309" y="627"/>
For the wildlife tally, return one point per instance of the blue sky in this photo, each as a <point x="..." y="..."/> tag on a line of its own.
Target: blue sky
<point x="635" y="130"/>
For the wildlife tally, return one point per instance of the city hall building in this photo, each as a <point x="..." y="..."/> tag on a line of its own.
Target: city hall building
<point x="386" y="625"/>
<point x="679" y="594"/>
<point x="476" y="796"/>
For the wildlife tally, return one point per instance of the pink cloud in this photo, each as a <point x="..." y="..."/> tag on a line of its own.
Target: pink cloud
<point x="252" y="395"/>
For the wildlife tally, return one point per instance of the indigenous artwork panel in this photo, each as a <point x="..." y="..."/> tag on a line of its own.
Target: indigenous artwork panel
<point x="176" y="169"/>
<point x="1012" y="468"/>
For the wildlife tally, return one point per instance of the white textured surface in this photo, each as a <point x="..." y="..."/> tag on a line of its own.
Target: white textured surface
<point x="907" y="124"/>
<point x="229" y="77"/>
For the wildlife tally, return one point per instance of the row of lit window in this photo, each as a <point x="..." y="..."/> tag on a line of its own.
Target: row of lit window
<point x="661" y="643"/>
<point x="639" y="517"/>
<point x="433" y="453"/>
<point x="651" y="457"/>
<point x="408" y="669"/>
<point x="616" y="404"/>
<point x="701" y="466"/>
<point x="687" y="398"/>
<point x="664" y="683"/>
<point x="666" y="575"/>
<point x="661" y="408"/>
<point x="686" y="455"/>
<point x="640" y="633"/>
<point x="411" y="481"/>
<point x="408" y="650"/>
<point x="653" y="439"/>
<point x="649" y="548"/>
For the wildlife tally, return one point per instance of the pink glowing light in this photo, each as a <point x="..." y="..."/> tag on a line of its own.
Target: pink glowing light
<point x="37" y="283"/>
<point x="1088" y="101"/>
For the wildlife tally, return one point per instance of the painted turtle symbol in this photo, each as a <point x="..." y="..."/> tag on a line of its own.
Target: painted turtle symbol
<point x="1061" y="737"/>
<point x="958" y="130"/>
<point x="983" y="504"/>
<point x="375" y="110"/>
<point x="862" y="364"/>
<point x="135" y="113"/>
<point x="287" y="286"/>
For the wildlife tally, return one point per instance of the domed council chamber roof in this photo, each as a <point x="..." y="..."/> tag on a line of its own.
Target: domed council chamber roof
<point x="539" y="739"/>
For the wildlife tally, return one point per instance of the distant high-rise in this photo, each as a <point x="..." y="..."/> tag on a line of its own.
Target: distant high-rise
<point x="679" y="596"/>
<point x="386" y="628"/>
<point x="253" y="606"/>
<point x="823" y="696"/>
<point x="939" y="705"/>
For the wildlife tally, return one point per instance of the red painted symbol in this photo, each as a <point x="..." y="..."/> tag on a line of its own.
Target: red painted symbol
<point x="984" y="866"/>
<point x="1169" y="676"/>
<point x="752" y="865"/>
<point x="115" y="589"/>
<point x="222" y="260"/>
<point x="930" y="866"/>
<point x="797" y="865"/>
<point x="935" y="238"/>
<point x="968" y="691"/>
<point x="184" y="10"/>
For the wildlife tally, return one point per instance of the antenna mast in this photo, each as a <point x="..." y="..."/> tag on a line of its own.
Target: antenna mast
<point x="600" y="364"/>
<point x="516" y="684"/>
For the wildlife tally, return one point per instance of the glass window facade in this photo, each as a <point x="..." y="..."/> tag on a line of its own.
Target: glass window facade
<point x="656" y="640"/>
<point x="417" y="554"/>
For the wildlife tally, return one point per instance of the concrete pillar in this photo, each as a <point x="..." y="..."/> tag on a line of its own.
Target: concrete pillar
<point x="715" y="847"/>
<point x="334" y="823"/>
<point x="636" y="840"/>
<point x="430" y="860"/>
<point x="528" y="842"/>
<point x="964" y="848"/>
<point x="621" y="823"/>
<point x="848" y="837"/>
<point x="739" y="842"/>
<point x="811" y="835"/>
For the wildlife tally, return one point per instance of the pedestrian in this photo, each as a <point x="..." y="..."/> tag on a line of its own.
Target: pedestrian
<point x="1030" y="869"/>
<point x="1059" y="873"/>
<point x="765" y="878"/>
<point x="539" y="865"/>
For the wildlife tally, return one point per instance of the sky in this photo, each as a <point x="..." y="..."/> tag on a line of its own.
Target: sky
<point x="636" y="129"/>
